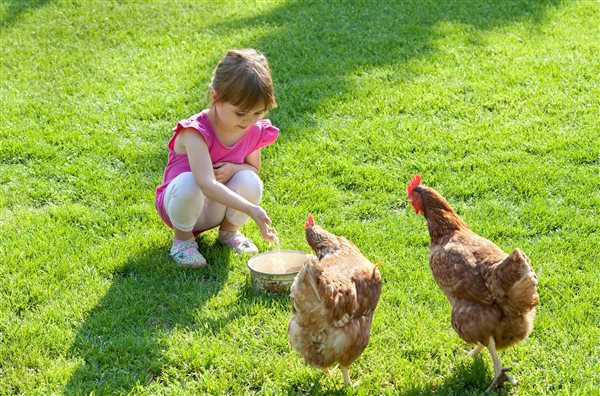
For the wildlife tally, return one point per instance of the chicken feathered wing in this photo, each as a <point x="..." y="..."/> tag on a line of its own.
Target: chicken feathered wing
<point x="468" y="254"/>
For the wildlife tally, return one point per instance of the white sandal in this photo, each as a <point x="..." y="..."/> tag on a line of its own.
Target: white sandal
<point x="186" y="254"/>
<point x="238" y="242"/>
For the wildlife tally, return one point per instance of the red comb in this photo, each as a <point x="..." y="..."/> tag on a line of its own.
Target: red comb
<point x="414" y="182"/>
<point x="310" y="221"/>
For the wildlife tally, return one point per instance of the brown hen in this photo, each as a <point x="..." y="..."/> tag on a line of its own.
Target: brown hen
<point x="493" y="294"/>
<point x="333" y="299"/>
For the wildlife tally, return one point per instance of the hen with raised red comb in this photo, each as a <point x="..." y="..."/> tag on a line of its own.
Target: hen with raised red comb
<point x="493" y="294"/>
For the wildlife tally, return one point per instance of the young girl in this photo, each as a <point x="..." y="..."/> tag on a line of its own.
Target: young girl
<point x="211" y="178"/>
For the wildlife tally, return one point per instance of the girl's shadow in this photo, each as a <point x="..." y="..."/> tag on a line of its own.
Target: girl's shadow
<point x="121" y="342"/>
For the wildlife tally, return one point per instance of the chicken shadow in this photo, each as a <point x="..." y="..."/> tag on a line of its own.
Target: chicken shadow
<point x="123" y="337"/>
<point x="469" y="377"/>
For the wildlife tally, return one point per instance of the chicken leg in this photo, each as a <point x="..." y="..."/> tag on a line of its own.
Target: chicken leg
<point x="500" y="376"/>
<point x="346" y="375"/>
<point x="475" y="351"/>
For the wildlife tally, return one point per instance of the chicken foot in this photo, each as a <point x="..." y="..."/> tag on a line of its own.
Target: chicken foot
<point x="500" y="376"/>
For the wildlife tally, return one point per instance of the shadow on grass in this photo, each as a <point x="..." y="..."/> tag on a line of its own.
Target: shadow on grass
<point x="315" y="48"/>
<point x="14" y="8"/>
<point x="123" y="339"/>
<point x="469" y="377"/>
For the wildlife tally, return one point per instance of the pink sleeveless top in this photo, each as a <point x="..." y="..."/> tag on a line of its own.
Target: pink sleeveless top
<point x="259" y="135"/>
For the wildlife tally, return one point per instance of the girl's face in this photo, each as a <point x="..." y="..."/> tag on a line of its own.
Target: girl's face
<point x="232" y="119"/>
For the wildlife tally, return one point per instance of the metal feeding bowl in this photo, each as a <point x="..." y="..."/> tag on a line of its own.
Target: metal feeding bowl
<point x="275" y="271"/>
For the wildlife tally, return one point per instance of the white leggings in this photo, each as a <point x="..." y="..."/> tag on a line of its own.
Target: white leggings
<point x="190" y="210"/>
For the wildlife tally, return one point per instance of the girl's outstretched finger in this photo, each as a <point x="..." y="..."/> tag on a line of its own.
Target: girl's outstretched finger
<point x="272" y="235"/>
<point x="268" y="233"/>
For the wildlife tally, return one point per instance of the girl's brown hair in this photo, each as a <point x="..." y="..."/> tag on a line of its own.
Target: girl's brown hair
<point x="243" y="79"/>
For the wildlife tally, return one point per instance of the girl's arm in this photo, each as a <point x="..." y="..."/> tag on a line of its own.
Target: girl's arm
<point x="202" y="170"/>
<point x="225" y="170"/>
<point x="252" y="160"/>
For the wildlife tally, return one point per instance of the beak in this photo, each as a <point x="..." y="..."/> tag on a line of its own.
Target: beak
<point x="409" y="203"/>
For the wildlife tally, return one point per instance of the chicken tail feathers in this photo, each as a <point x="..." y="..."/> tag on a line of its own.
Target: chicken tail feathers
<point x="375" y="271"/>
<point x="514" y="284"/>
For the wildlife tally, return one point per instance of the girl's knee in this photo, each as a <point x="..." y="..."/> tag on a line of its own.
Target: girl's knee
<point x="183" y="201"/>
<point x="184" y="189"/>
<point x="247" y="184"/>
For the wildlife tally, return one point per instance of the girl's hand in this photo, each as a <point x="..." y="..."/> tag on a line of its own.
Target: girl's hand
<point x="262" y="220"/>
<point x="224" y="171"/>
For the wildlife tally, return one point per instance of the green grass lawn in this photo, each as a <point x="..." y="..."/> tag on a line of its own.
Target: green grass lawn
<point x="495" y="103"/>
